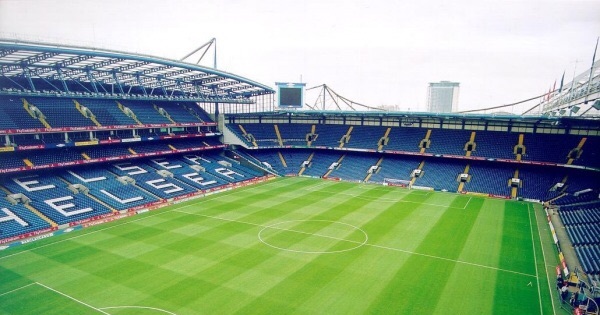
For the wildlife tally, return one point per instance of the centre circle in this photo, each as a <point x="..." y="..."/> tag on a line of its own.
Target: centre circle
<point x="313" y="236"/>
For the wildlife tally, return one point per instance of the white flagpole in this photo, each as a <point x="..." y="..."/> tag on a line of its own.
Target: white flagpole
<point x="591" y="72"/>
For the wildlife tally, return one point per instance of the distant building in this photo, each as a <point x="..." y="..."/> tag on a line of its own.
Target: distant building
<point x="442" y="97"/>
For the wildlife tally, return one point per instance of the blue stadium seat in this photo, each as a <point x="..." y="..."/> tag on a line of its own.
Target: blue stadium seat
<point x="16" y="219"/>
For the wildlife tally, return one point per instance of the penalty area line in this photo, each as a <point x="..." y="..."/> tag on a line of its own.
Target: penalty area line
<point x="139" y="307"/>
<point x="72" y="298"/>
<point x="17" y="289"/>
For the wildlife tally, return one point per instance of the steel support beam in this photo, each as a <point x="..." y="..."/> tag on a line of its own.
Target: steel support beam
<point x="92" y="80"/>
<point x="161" y="85"/>
<point x="118" y="83"/>
<point x="62" y="79"/>
<point x="27" y="74"/>
<point x="141" y="85"/>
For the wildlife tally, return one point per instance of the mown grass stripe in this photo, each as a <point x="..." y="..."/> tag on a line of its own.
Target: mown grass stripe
<point x="373" y="264"/>
<point x="417" y="268"/>
<point x="309" y="270"/>
<point x="482" y="246"/>
<point x="550" y="259"/>
<point x="220" y="270"/>
<point x="516" y="254"/>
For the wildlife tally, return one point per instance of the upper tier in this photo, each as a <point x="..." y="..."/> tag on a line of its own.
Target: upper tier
<point x="42" y="114"/>
<point x="538" y="147"/>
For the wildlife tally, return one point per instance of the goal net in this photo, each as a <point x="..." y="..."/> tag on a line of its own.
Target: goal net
<point x="396" y="182"/>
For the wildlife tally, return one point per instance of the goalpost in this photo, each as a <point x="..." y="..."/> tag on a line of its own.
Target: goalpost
<point x="397" y="182"/>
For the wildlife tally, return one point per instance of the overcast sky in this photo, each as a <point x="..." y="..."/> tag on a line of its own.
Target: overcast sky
<point x="372" y="52"/>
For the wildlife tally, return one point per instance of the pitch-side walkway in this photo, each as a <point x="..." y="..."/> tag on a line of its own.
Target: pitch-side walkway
<point x="565" y="243"/>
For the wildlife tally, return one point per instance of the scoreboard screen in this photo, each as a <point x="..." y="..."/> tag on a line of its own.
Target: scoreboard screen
<point x="290" y="94"/>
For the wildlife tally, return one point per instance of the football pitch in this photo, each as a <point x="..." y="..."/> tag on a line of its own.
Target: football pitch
<point x="294" y="246"/>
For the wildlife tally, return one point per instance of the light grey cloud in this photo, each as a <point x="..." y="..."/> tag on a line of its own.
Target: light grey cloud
<point x="375" y="52"/>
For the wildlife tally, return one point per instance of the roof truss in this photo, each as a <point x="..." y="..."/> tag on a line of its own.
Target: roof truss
<point x="120" y="73"/>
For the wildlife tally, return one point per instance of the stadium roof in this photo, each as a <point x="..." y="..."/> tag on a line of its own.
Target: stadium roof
<point x="55" y="70"/>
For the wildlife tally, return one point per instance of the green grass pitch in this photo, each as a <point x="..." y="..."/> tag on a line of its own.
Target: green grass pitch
<point x="292" y="246"/>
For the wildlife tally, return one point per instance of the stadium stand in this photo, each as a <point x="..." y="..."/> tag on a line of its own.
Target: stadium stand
<point x="396" y="167"/>
<point x="490" y="178"/>
<point x="294" y="134"/>
<point x="536" y="182"/>
<point x="15" y="219"/>
<point x="263" y="133"/>
<point x="107" y="112"/>
<point x="590" y="155"/>
<point x="440" y="174"/>
<point x="495" y="144"/>
<point x="330" y="135"/>
<point x="582" y="224"/>
<point x="44" y="112"/>
<point x="81" y="153"/>
<point x="406" y="139"/>
<point x="550" y="148"/>
<point x="67" y="196"/>
<point x="448" y="141"/>
<point x="104" y="185"/>
<point x="320" y="163"/>
<point x="27" y="140"/>
<point x="49" y="195"/>
<point x="59" y="112"/>
<point x="15" y="116"/>
<point x="363" y="137"/>
<point x="11" y="160"/>
<point x="162" y="187"/>
<point x="354" y="167"/>
<point x="57" y="156"/>
<point x="146" y="113"/>
<point x="178" y="112"/>
<point x="184" y="172"/>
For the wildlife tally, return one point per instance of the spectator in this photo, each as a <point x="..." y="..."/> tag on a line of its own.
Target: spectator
<point x="559" y="282"/>
<point x="564" y="291"/>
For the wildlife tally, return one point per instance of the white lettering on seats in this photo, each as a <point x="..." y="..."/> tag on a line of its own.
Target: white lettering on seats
<point x="12" y="216"/>
<point x="126" y="168"/>
<point x="123" y="201"/>
<point x="192" y="158"/>
<point x="26" y="184"/>
<point x="62" y="208"/>
<point x="165" y="164"/>
<point x="227" y="172"/>
<point x="199" y="180"/>
<point x="155" y="183"/>
<point x="195" y="159"/>
<point x="86" y="180"/>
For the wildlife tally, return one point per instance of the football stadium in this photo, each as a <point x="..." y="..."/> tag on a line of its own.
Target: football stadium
<point x="135" y="184"/>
